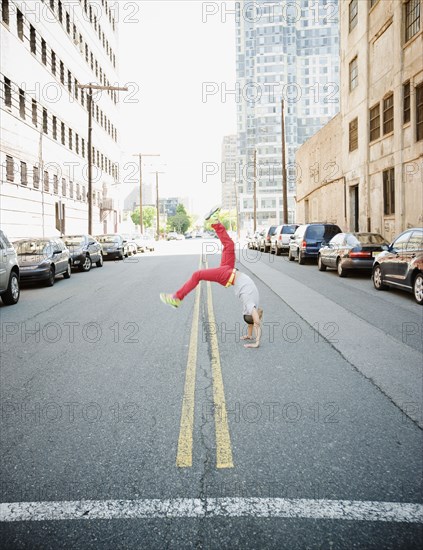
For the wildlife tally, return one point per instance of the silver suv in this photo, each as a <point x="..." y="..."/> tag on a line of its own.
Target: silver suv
<point x="9" y="272"/>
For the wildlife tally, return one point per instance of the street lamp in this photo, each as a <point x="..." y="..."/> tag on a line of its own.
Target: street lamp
<point x="140" y="155"/>
<point x="90" y="88"/>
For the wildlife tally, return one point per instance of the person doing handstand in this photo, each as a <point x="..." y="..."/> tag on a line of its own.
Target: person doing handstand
<point x="227" y="275"/>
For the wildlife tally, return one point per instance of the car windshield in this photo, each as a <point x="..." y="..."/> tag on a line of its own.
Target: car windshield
<point x="31" y="248"/>
<point x="369" y="238"/>
<point x="108" y="239"/>
<point x="74" y="241"/>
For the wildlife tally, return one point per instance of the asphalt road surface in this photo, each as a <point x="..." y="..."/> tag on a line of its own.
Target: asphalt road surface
<point x="128" y="424"/>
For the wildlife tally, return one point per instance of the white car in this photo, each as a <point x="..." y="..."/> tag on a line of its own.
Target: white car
<point x="9" y="272"/>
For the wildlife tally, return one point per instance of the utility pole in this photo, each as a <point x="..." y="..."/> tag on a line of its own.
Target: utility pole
<point x="238" y="229"/>
<point x="157" y="204"/>
<point x="255" y="191"/>
<point x="140" y="155"/>
<point x="284" y="185"/>
<point x="90" y="88"/>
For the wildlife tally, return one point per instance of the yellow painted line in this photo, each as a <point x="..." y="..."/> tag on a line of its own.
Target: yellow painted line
<point x="184" y="454"/>
<point x="223" y="440"/>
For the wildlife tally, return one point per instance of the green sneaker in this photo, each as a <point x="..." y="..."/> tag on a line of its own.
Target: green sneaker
<point x="170" y="300"/>
<point x="212" y="214"/>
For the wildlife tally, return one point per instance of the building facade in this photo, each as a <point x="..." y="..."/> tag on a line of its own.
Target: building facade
<point x="229" y="173"/>
<point x="285" y="51"/>
<point x="48" y="49"/>
<point x="379" y="156"/>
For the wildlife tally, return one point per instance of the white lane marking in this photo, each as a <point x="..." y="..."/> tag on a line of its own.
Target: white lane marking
<point x="213" y="507"/>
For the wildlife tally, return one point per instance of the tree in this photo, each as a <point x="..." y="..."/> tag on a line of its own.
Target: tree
<point x="148" y="216"/>
<point x="180" y="222"/>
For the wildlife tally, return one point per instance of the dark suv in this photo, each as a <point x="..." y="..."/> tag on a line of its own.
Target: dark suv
<point x="308" y="238"/>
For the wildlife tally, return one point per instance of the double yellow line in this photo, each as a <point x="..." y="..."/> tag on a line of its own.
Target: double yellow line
<point x="223" y="440"/>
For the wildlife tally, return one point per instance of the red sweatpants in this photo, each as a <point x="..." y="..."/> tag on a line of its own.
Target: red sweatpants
<point x="219" y="274"/>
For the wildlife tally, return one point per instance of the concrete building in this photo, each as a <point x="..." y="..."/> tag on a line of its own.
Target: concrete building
<point x="374" y="171"/>
<point x="285" y="50"/>
<point x="229" y="173"/>
<point x="47" y="49"/>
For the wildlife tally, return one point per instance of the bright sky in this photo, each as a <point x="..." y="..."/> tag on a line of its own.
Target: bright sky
<point x="169" y="53"/>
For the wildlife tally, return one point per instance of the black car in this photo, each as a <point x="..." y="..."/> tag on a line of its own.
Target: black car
<point x="308" y="238"/>
<point x="348" y="251"/>
<point x="42" y="259"/>
<point x="401" y="264"/>
<point x="84" y="250"/>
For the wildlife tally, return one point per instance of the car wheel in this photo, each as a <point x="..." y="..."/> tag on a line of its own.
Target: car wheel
<point x="122" y="255"/>
<point x="100" y="261"/>
<point x="278" y="251"/>
<point x="301" y="259"/>
<point x="51" y="276"/>
<point x="377" y="278"/>
<point x="86" y="266"/>
<point x="418" y="288"/>
<point x="290" y="256"/>
<point x="341" y="271"/>
<point x="320" y="265"/>
<point x="11" y="296"/>
<point x="68" y="272"/>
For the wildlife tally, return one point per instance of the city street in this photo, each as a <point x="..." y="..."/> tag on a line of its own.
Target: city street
<point x="128" y="424"/>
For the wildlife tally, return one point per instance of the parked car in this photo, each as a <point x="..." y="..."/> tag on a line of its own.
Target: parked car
<point x="401" y="264"/>
<point x="308" y="238"/>
<point x="9" y="272"/>
<point x="113" y="246"/>
<point x="130" y="244"/>
<point x="84" y="251"/>
<point x="347" y="251"/>
<point x="43" y="259"/>
<point x="279" y="241"/>
<point x="264" y="238"/>
<point x="172" y="236"/>
<point x="149" y="243"/>
<point x="255" y="241"/>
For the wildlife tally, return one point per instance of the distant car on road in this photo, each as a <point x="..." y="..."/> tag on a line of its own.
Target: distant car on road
<point x="401" y="264"/>
<point x="264" y="238"/>
<point x="349" y="251"/>
<point x="279" y="241"/>
<point x="43" y="259"/>
<point x="84" y="250"/>
<point x="308" y="238"/>
<point x="149" y="242"/>
<point x="172" y="236"/>
<point x="113" y="246"/>
<point x="9" y="272"/>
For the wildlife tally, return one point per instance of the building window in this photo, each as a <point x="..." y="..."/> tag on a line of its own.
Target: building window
<point x="55" y="184"/>
<point x="32" y="40"/>
<point x="406" y="102"/>
<point x="5" y="11"/>
<point x="75" y="90"/>
<point x="10" y="173"/>
<point x="412" y="18"/>
<point x="52" y="4"/>
<point x="54" y="127"/>
<point x="24" y="174"/>
<point x="78" y="193"/>
<point x="70" y="139"/>
<point x="77" y="143"/>
<point x="7" y="92"/>
<point x="62" y="131"/>
<point x="353" y="74"/>
<point x="69" y="82"/>
<point x="419" y="112"/>
<point x="388" y="114"/>
<point x="43" y="51"/>
<point x="71" y="189"/>
<point x="83" y="147"/>
<point x="53" y="62"/>
<point x="36" y="177"/>
<point x="46" y="181"/>
<point x="353" y="134"/>
<point x="20" y="24"/>
<point x="63" y="187"/>
<point x="375" y="122"/>
<point x="68" y="28"/>
<point x="389" y="192"/>
<point x="62" y="72"/>
<point x="353" y="14"/>
<point x="45" y="121"/>
<point x="22" y="104"/>
<point x="34" y="113"/>
<point x="60" y="11"/>
<point x="373" y="2"/>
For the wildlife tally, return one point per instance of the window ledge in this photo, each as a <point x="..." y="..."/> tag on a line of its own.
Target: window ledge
<point x="406" y="44"/>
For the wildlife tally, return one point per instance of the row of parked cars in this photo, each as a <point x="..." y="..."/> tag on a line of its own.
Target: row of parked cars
<point x="43" y="259"/>
<point x="398" y="264"/>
